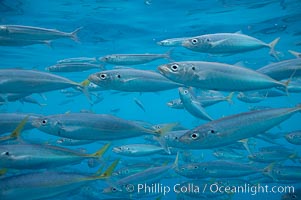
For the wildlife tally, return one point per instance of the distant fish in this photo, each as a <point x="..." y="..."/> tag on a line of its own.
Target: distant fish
<point x="137" y="150"/>
<point x="74" y="67"/>
<point x="72" y="142"/>
<point x="193" y="106"/>
<point x="228" y="43"/>
<point x="133" y="59"/>
<point x="294" y="137"/>
<point x="78" y="60"/>
<point x="19" y="32"/>
<point x="139" y="104"/>
<point x="4" y="41"/>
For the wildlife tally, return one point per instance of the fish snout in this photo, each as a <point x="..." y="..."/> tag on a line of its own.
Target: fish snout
<point x="36" y="123"/>
<point x="163" y="69"/>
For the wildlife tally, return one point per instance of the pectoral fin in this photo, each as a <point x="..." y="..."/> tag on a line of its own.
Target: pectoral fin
<point x="216" y="43"/>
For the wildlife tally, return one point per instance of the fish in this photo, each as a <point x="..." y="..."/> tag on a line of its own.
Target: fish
<point x="31" y="81"/>
<point x="74" y="67"/>
<point x="294" y="137"/>
<point x="170" y="140"/>
<point x="72" y="142"/>
<point x="139" y="104"/>
<point x="283" y="69"/>
<point x="4" y="41"/>
<point x="292" y="195"/>
<point x="273" y="156"/>
<point x="11" y="97"/>
<point x="90" y="126"/>
<point x="132" y="169"/>
<point x="55" y="183"/>
<point x="20" y="32"/>
<point x="132" y="59"/>
<point x="215" y="169"/>
<point x="138" y="150"/>
<point x="172" y="42"/>
<point x="217" y="76"/>
<point x="283" y="173"/>
<point x="236" y="127"/>
<point x="295" y="53"/>
<point x="176" y="104"/>
<point x="228" y="43"/>
<point x="193" y="106"/>
<point x="150" y="175"/>
<point x="132" y="80"/>
<point x="34" y="156"/>
<point x="228" y="154"/>
<point x="78" y="60"/>
<point x="9" y="121"/>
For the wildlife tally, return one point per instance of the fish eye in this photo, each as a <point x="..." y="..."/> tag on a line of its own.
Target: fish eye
<point x="194" y="41"/>
<point x="174" y="67"/>
<point x="182" y="169"/>
<point x="118" y="76"/>
<point x="128" y="148"/>
<point x="185" y="92"/>
<point x="113" y="189"/>
<point x="103" y="76"/>
<point x="294" y="196"/>
<point x="6" y="153"/>
<point x="196" y="167"/>
<point x="176" y="138"/>
<point x="208" y="40"/>
<point x="193" y="68"/>
<point x="212" y="131"/>
<point x="44" y="121"/>
<point x="205" y="168"/>
<point x="194" y="135"/>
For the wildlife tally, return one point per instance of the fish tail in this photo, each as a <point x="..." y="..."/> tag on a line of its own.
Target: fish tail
<point x="166" y="128"/>
<point x="83" y="87"/>
<point x="272" y="47"/>
<point x="108" y="172"/>
<point x="176" y="162"/>
<point x="246" y="145"/>
<point x="167" y="55"/>
<point x="3" y="171"/>
<point x="295" y="53"/>
<point x="101" y="151"/>
<point x="16" y="133"/>
<point x="268" y="170"/>
<point x="230" y="97"/>
<point x="74" y="34"/>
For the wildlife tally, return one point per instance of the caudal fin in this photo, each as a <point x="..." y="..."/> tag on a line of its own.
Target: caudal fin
<point x="230" y="97"/>
<point x="295" y="53"/>
<point x="73" y="34"/>
<point x="272" y="48"/>
<point x="16" y="133"/>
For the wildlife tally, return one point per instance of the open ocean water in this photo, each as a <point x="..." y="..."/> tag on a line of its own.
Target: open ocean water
<point x="135" y="27"/>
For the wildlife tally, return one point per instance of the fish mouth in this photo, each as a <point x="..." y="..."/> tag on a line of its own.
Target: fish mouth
<point x="185" y="43"/>
<point x="163" y="69"/>
<point x="93" y="78"/>
<point x="116" y="150"/>
<point x="36" y="123"/>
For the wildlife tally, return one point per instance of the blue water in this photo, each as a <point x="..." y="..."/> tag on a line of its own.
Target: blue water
<point x="126" y="27"/>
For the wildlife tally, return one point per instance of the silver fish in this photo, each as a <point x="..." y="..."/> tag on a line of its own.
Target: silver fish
<point x="294" y="137"/>
<point x="215" y="169"/>
<point x="4" y="41"/>
<point x="137" y="150"/>
<point x="282" y="70"/>
<point x="74" y="67"/>
<point x="132" y="59"/>
<point x="132" y="80"/>
<point x="217" y="76"/>
<point x="233" y="128"/>
<point x="78" y="60"/>
<point x="72" y="142"/>
<point x="228" y="43"/>
<point x="46" y="184"/>
<point x="193" y="106"/>
<point x="34" y="156"/>
<point x="30" y="81"/>
<point x="89" y="126"/>
<point x="20" y="32"/>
